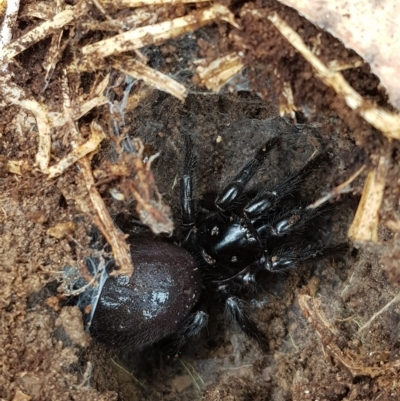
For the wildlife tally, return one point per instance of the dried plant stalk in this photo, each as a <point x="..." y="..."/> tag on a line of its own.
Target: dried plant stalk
<point x="141" y="3"/>
<point x="103" y="221"/>
<point x="365" y="224"/>
<point x="97" y="135"/>
<point x="16" y="95"/>
<point x="311" y="308"/>
<point x="151" y="77"/>
<point x="388" y="123"/>
<point x="10" y="10"/>
<point x="343" y="188"/>
<point x="40" y="32"/>
<point x="220" y="71"/>
<point x="157" y="33"/>
<point x="82" y="106"/>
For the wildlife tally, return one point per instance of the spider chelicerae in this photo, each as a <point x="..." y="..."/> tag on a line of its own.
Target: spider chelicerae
<point x="222" y="254"/>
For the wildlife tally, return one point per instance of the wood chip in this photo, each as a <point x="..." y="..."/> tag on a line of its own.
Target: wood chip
<point x="158" y="33"/>
<point x="151" y="77"/>
<point x="220" y="71"/>
<point x="97" y="135"/>
<point x="365" y="224"/>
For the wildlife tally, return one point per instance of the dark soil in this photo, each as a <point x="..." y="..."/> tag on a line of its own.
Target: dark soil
<point x="45" y="353"/>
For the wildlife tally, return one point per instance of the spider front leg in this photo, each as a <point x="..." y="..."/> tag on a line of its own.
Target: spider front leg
<point x="232" y="193"/>
<point x="236" y="311"/>
<point x="269" y="198"/>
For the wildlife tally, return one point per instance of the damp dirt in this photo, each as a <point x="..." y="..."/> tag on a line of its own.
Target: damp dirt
<point x="327" y="350"/>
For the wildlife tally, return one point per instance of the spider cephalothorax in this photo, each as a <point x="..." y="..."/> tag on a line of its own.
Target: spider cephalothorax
<point x="248" y="233"/>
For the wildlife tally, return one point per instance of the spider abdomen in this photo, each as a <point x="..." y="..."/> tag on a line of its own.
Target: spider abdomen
<point x="141" y="310"/>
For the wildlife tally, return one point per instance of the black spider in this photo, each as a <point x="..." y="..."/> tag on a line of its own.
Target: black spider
<point x="222" y="254"/>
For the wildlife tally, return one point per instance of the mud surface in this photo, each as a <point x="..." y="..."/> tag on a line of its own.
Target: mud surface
<point x="321" y="342"/>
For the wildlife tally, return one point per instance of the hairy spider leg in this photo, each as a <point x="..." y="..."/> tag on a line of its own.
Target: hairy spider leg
<point x="268" y="198"/>
<point x="285" y="258"/>
<point x="186" y="190"/>
<point x="236" y="311"/>
<point x="229" y="197"/>
<point x="190" y="327"/>
<point x="290" y="222"/>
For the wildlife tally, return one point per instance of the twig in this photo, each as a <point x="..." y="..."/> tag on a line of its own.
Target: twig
<point x="130" y="374"/>
<point x="375" y="315"/>
<point x="9" y="18"/>
<point x="344" y="187"/>
<point x="365" y="224"/>
<point x="97" y="135"/>
<point x="328" y="334"/>
<point x="40" y="32"/>
<point x="143" y="3"/>
<point x="388" y="123"/>
<point x="153" y="34"/>
<point x="105" y="224"/>
<point x="220" y="71"/>
<point x="151" y="77"/>
<point x="16" y="95"/>
<point x="102" y="220"/>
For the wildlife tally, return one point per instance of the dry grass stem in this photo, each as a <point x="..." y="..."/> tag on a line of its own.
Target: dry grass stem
<point x="42" y="10"/>
<point x="40" y="32"/>
<point x="53" y="54"/>
<point x="328" y="334"/>
<point x="388" y="123"/>
<point x="151" y="77"/>
<point x="157" y="33"/>
<point x="97" y="135"/>
<point x="365" y="224"/>
<point x="220" y="71"/>
<point x="10" y="9"/>
<point x="142" y="3"/>
<point x="375" y="315"/>
<point x="82" y="106"/>
<point x="343" y="188"/>
<point x="17" y="96"/>
<point x="102" y="220"/>
<point x="104" y="223"/>
<point x="137" y="17"/>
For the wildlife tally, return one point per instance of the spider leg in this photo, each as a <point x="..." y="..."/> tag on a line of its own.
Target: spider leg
<point x="186" y="190"/>
<point x="285" y="259"/>
<point x="291" y="221"/>
<point x="190" y="327"/>
<point x="269" y="198"/>
<point x="236" y="311"/>
<point x="231" y="194"/>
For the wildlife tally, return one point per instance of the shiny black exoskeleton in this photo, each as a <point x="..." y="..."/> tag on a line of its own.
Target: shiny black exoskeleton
<point x="140" y="310"/>
<point x="248" y="233"/>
